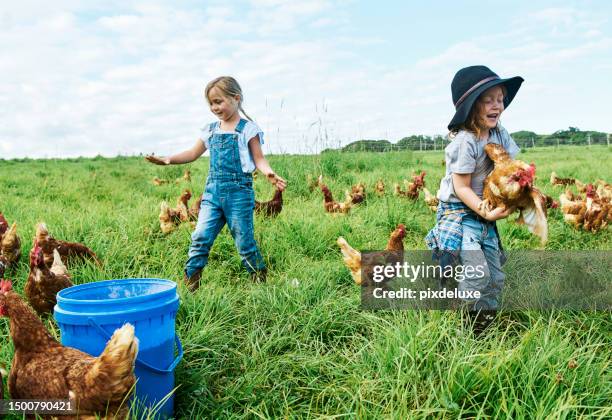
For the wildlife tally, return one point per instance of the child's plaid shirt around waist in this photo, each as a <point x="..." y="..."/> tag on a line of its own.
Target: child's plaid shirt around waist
<point x="447" y="234"/>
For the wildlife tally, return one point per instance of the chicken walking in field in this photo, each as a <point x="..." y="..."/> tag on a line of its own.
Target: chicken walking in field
<point x="43" y="369"/>
<point x="510" y="185"/>
<point x="270" y="208"/>
<point x="157" y="181"/>
<point x="67" y="250"/>
<point x="185" y="178"/>
<point x="412" y="188"/>
<point x="592" y="213"/>
<point x="358" y="193"/>
<point x="332" y="206"/>
<point x="169" y="218"/>
<point x="10" y="245"/>
<point x="555" y="180"/>
<point x="43" y="282"/>
<point x="4" y="225"/>
<point x="379" y="188"/>
<point x="430" y="199"/>
<point x="352" y="257"/>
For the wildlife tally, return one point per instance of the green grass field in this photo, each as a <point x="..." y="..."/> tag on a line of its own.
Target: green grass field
<point x="303" y="349"/>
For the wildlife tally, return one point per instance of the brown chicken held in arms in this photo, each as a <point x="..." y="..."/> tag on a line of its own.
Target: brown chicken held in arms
<point x="510" y="184"/>
<point x="44" y="369"/>
<point x="67" y="250"/>
<point x="352" y="257"/>
<point x="272" y="207"/>
<point x="43" y="283"/>
<point x="592" y="213"/>
<point x="430" y="199"/>
<point x="10" y="245"/>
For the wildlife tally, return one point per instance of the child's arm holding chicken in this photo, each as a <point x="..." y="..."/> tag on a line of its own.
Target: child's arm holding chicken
<point x="463" y="190"/>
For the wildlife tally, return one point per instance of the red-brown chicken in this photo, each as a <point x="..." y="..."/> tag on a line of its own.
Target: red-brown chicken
<point x="555" y="180"/>
<point x="44" y="369"/>
<point x="379" y="188"/>
<point x="430" y="199"/>
<point x="10" y="245"/>
<point x="510" y="184"/>
<point x="412" y="188"/>
<point x="182" y="206"/>
<point x="168" y="218"/>
<point x="352" y="257"/>
<point x="3" y="265"/>
<point x="67" y="250"/>
<point x="592" y="213"/>
<point x="194" y="210"/>
<point x="332" y="206"/>
<point x="43" y="283"/>
<point x="3" y="225"/>
<point x="272" y="207"/>
<point x="358" y="193"/>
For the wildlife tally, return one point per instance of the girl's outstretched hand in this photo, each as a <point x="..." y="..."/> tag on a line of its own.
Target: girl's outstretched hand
<point x="158" y="160"/>
<point x="277" y="181"/>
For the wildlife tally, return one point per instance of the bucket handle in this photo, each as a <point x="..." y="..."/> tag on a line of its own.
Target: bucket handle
<point x="139" y="362"/>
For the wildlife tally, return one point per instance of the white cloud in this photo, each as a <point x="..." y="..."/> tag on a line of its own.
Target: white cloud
<point x="132" y="80"/>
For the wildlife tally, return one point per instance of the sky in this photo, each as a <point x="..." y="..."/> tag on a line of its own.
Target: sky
<point x="85" y="78"/>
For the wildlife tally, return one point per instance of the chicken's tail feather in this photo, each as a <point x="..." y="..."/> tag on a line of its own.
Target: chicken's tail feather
<point x="534" y="217"/>
<point x="115" y="366"/>
<point x="58" y="267"/>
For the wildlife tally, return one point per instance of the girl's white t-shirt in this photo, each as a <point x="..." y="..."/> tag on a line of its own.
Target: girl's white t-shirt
<point x="250" y="130"/>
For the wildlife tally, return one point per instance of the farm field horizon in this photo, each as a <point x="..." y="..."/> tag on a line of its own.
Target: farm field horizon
<point x="298" y="346"/>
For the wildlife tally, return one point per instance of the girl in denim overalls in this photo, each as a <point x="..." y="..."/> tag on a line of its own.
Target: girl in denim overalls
<point x="235" y="152"/>
<point x="464" y="233"/>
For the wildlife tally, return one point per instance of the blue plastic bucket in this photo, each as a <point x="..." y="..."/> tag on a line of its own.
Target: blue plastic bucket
<point x="88" y="314"/>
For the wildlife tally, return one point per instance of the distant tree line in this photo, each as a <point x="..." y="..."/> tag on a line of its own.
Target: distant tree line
<point x="525" y="139"/>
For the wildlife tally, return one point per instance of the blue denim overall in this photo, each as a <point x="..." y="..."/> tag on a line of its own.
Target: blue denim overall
<point x="228" y="198"/>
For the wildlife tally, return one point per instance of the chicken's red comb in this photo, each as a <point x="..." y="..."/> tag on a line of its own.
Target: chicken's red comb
<point x="590" y="190"/>
<point x="6" y="286"/>
<point x="532" y="168"/>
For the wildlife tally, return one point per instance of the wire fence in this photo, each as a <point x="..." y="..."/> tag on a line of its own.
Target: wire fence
<point x="426" y="143"/>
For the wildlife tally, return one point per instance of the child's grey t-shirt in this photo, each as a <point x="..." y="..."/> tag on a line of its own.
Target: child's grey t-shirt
<point x="465" y="155"/>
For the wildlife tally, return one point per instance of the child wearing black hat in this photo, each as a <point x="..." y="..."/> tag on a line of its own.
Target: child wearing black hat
<point x="465" y="234"/>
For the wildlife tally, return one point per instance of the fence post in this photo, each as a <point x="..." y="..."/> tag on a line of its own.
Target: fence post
<point x="608" y="139"/>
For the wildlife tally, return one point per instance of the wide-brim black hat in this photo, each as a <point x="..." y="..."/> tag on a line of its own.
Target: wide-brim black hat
<point x="470" y="82"/>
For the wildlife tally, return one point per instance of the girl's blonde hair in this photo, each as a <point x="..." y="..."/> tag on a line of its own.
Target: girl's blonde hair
<point x="230" y="88"/>
<point x="473" y="121"/>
